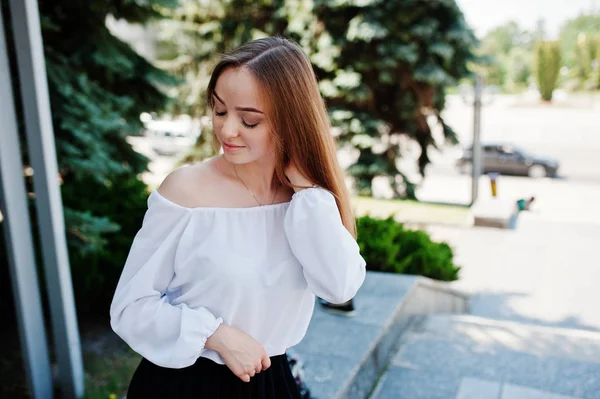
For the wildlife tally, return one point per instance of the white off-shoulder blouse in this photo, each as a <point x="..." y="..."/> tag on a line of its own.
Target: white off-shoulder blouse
<point x="256" y="269"/>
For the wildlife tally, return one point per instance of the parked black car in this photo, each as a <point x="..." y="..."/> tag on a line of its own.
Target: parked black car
<point x="508" y="159"/>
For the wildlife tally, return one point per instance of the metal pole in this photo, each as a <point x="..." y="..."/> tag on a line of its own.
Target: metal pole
<point x="42" y="154"/>
<point x="17" y="233"/>
<point x="476" y="166"/>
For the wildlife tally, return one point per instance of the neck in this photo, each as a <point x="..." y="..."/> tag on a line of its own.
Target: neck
<point x="259" y="176"/>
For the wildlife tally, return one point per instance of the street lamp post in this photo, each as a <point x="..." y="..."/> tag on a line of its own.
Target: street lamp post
<point x="476" y="166"/>
<point x="475" y="96"/>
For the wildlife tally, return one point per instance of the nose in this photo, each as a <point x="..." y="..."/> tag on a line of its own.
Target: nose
<point x="229" y="128"/>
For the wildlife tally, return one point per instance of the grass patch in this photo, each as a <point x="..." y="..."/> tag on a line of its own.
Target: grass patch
<point x="107" y="371"/>
<point x="408" y="211"/>
<point x="107" y="377"/>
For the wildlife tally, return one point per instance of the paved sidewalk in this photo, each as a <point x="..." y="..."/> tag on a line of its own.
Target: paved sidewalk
<point x="474" y="388"/>
<point x="543" y="272"/>
<point x="467" y="357"/>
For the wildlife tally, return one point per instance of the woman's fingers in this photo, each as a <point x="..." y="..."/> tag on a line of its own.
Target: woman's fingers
<point x="244" y="356"/>
<point x="249" y="373"/>
<point x="243" y="376"/>
<point x="266" y="362"/>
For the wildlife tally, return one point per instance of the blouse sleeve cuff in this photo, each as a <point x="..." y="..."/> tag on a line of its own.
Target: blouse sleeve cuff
<point x="197" y="326"/>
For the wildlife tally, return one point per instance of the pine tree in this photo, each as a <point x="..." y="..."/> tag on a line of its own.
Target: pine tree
<point x="381" y="73"/>
<point x="195" y="34"/>
<point x="547" y="68"/>
<point x="384" y="67"/>
<point x="98" y="88"/>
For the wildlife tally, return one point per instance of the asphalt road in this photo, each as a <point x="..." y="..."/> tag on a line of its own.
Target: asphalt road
<point x="568" y="131"/>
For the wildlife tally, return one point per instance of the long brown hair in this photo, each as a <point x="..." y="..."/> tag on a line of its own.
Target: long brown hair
<point x="296" y="112"/>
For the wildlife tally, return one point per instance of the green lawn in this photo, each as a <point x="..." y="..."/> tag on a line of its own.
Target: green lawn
<point x="408" y="211"/>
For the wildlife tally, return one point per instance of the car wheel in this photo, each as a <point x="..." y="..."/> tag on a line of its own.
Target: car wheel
<point x="537" y="171"/>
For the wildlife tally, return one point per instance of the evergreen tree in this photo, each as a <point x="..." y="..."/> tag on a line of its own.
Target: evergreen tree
<point x="384" y="67"/>
<point x="98" y="88"/>
<point x="195" y="33"/>
<point x="548" y="63"/>
<point x="381" y="73"/>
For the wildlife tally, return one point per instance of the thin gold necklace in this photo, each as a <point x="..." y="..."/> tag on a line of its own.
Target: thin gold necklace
<point x="250" y="191"/>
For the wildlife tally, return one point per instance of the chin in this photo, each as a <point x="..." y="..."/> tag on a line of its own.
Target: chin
<point x="237" y="159"/>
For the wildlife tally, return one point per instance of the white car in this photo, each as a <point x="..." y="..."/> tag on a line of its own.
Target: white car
<point x="170" y="137"/>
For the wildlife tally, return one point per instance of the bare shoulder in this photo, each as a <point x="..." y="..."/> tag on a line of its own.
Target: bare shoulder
<point x="192" y="186"/>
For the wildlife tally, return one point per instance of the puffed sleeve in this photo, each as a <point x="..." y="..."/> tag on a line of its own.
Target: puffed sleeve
<point x="140" y="313"/>
<point x="330" y="256"/>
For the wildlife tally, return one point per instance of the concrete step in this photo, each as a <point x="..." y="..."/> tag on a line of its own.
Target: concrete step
<point x="495" y="212"/>
<point x="344" y="357"/>
<point x="469" y="357"/>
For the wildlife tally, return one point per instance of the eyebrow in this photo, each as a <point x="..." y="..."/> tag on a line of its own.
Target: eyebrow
<point x="247" y="109"/>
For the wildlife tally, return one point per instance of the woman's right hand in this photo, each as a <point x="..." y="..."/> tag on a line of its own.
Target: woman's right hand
<point x="241" y="353"/>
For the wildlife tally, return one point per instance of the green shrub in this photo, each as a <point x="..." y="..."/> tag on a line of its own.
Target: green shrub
<point x="388" y="246"/>
<point x="376" y="238"/>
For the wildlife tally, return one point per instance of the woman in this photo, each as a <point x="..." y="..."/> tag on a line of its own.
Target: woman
<point x="222" y="277"/>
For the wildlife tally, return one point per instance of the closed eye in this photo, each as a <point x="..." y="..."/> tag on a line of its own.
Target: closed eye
<point x="249" y="126"/>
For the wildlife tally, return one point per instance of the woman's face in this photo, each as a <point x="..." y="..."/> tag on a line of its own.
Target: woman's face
<point x="239" y="119"/>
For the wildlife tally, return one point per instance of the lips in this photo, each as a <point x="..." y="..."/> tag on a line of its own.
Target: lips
<point x="232" y="147"/>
